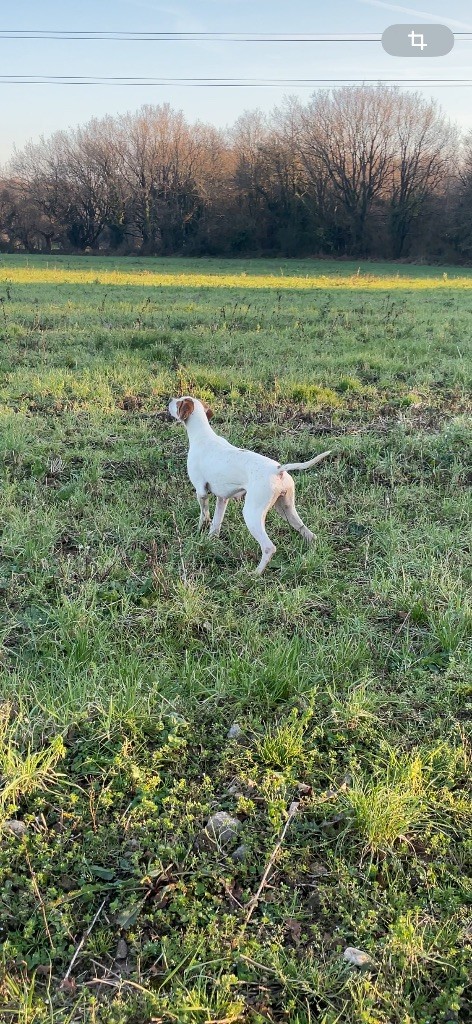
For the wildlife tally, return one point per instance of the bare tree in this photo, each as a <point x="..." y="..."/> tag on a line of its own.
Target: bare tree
<point x="348" y="135"/>
<point x="72" y="180"/>
<point x="215" y="184"/>
<point x="317" y="215"/>
<point x="248" y="138"/>
<point x="461" y="219"/>
<point x="425" y="144"/>
<point x="160" y="160"/>
<point x="7" y="213"/>
<point x="354" y="171"/>
<point x="94" y="184"/>
<point x="39" y="172"/>
<point x="22" y="222"/>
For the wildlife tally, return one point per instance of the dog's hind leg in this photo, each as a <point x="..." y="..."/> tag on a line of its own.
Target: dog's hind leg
<point x="285" y="506"/>
<point x="254" y="517"/>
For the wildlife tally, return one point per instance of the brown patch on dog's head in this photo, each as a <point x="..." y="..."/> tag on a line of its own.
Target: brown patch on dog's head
<point x="207" y="409"/>
<point x="185" y="408"/>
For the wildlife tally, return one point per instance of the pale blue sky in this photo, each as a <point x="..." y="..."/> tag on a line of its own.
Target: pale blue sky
<point x="31" y="110"/>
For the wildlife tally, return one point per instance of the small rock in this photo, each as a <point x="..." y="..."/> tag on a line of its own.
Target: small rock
<point x="17" y="827"/>
<point x="222" y="829"/>
<point x="68" y="985"/>
<point x="121" y="950"/>
<point x="357" y="957"/>
<point x="132" y="845"/>
<point x="235" y="732"/>
<point x="240" y="855"/>
<point x="313" y="901"/>
<point x="319" y="869"/>
<point x="67" y="883"/>
<point x="234" y="791"/>
<point x="294" y="929"/>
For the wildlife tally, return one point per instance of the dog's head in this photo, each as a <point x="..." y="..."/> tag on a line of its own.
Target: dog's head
<point x="182" y="408"/>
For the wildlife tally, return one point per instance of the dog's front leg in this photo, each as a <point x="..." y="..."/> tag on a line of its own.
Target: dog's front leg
<point x="221" y="504"/>
<point x="204" y="512"/>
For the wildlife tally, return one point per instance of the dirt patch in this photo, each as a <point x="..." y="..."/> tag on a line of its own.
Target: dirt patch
<point x="429" y="418"/>
<point x="131" y="403"/>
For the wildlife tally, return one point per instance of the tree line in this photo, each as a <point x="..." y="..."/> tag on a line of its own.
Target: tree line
<point x="353" y="172"/>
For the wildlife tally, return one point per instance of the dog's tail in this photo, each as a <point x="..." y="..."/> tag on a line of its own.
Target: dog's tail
<point x="303" y="465"/>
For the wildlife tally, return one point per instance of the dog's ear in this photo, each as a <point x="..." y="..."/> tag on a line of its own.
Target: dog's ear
<point x="208" y="410"/>
<point x="185" y="408"/>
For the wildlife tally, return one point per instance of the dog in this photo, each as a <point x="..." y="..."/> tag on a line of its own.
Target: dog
<point x="216" y="467"/>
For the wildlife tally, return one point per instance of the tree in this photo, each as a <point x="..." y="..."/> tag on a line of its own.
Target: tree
<point x="21" y="222"/>
<point x="348" y="135"/>
<point x="248" y="138"/>
<point x="160" y="157"/>
<point x="72" y="180"/>
<point x="424" y="147"/>
<point x="316" y="213"/>
<point x="38" y="173"/>
<point x="355" y="171"/>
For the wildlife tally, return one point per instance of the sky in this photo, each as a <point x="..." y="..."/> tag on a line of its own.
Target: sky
<point x="29" y="111"/>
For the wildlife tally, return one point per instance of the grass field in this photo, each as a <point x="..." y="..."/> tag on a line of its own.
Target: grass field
<point x="130" y="646"/>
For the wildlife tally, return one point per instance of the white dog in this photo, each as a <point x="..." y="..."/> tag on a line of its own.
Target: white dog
<point x="216" y="467"/>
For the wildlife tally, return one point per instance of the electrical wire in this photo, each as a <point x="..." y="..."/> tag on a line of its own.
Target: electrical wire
<point x="235" y="37"/>
<point x="227" y="82"/>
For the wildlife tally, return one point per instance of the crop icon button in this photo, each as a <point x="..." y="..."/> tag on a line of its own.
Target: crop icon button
<point x="418" y="40"/>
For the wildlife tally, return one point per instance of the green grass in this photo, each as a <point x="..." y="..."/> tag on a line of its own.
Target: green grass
<point x="129" y="646"/>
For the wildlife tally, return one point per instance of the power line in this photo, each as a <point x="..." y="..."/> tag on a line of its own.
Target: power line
<point x="226" y="82"/>
<point x="235" y="37"/>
